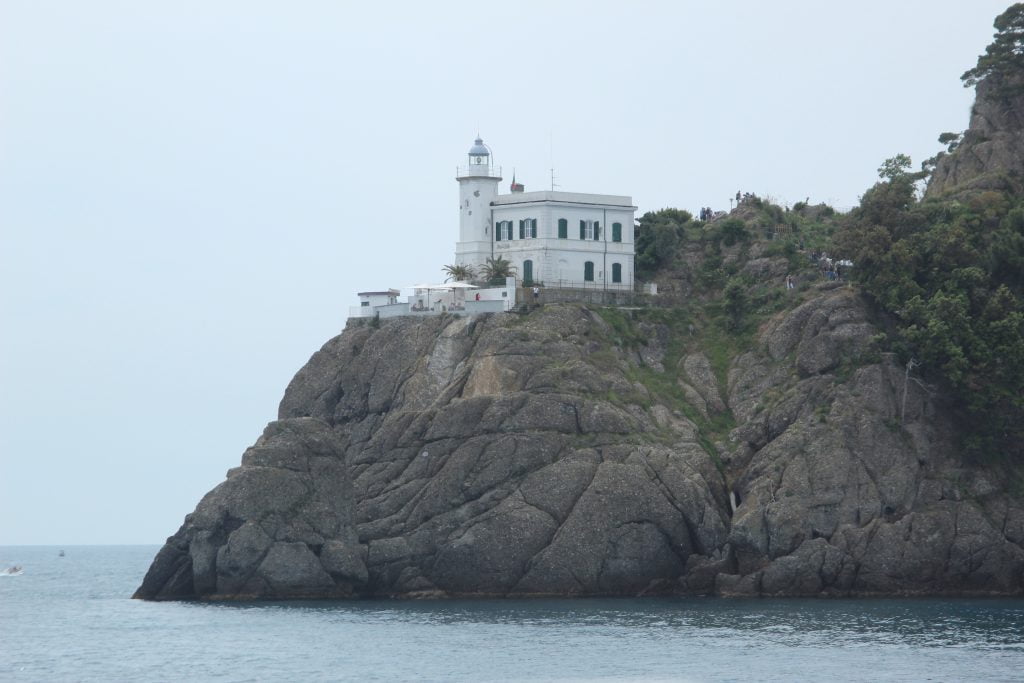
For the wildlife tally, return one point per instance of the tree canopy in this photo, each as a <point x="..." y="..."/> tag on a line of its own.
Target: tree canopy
<point x="1005" y="55"/>
<point x="497" y="269"/>
<point x="951" y="275"/>
<point x="894" y="167"/>
<point x="658" y="236"/>
<point x="459" y="273"/>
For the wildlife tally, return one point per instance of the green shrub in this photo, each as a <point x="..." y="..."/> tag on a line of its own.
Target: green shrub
<point x="731" y="231"/>
<point x="736" y="303"/>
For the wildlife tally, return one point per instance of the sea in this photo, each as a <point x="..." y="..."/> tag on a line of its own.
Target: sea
<point x="70" y="618"/>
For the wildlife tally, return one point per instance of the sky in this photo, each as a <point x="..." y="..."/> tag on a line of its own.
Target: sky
<point x="192" y="192"/>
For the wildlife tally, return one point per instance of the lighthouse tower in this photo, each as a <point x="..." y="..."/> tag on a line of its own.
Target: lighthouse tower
<point x="478" y="187"/>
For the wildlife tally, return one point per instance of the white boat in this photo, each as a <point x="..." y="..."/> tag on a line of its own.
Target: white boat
<point x="12" y="571"/>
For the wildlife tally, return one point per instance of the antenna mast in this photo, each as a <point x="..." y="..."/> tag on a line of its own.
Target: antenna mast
<point x="551" y="157"/>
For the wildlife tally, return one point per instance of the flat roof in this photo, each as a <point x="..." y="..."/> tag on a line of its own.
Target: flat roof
<point x="621" y="201"/>
<point x="387" y="291"/>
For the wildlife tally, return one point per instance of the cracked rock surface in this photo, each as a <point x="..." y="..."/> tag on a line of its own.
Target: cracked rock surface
<point x="519" y="456"/>
<point x="991" y="153"/>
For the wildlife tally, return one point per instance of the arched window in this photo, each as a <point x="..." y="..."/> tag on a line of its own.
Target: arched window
<point x="616" y="272"/>
<point x="588" y="271"/>
<point x="616" y="232"/>
<point x="563" y="229"/>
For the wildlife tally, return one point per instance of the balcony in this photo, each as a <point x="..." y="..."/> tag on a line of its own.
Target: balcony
<point x="478" y="172"/>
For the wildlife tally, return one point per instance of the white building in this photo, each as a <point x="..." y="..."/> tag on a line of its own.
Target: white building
<point x="456" y="298"/>
<point x="560" y="239"/>
<point x="370" y="299"/>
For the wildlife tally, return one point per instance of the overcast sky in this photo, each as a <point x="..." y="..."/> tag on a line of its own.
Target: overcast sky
<point x="191" y="192"/>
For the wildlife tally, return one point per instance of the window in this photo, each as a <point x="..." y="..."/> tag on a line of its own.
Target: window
<point x="364" y="303"/>
<point x="563" y="229"/>
<point x="588" y="271"/>
<point x="503" y="231"/>
<point x="527" y="273"/>
<point x="527" y="228"/>
<point x="590" y="230"/>
<point x="616" y="272"/>
<point x="616" y="232"/>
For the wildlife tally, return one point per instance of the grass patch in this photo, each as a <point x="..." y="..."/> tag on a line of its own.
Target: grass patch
<point x="663" y="387"/>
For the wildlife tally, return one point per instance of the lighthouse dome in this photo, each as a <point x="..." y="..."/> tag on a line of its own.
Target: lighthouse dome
<point x="479" y="148"/>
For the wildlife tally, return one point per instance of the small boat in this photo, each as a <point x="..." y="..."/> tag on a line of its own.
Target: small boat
<point x="60" y="554"/>
<point x="16" y="570"/>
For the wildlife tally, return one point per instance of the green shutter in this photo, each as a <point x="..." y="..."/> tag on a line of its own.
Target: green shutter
<point x="583" y="230"/>
<point x="497" y="231"/>
<point x="597" y="230"/>
<point x="616" y="232"/>
<point x="563" y="229"/>
<point x="616" y="272"/>
<point x="588" y="271"/>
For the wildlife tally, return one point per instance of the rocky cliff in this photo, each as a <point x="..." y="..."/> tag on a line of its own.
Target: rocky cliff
<point x="990" y="155"/>
<point x="577" y="451"/>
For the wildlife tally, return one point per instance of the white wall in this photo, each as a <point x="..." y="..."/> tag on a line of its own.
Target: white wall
<point x="561" y="261"/>
<point x="475" y="197"/>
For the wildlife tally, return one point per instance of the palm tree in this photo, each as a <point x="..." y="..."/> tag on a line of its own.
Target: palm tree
<point x="459" y="273"/>
<point x="497" y="269"/>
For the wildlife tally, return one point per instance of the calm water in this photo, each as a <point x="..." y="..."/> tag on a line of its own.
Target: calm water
<point x="69" y="618"/>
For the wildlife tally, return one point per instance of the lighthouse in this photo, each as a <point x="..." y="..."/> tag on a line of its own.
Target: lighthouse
<point x="478" y="187"/>
<point x="569" y="240"/>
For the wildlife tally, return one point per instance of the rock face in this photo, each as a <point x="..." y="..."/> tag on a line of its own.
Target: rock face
<point x="991" y="154"/>
<point x="532" y="455"/>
